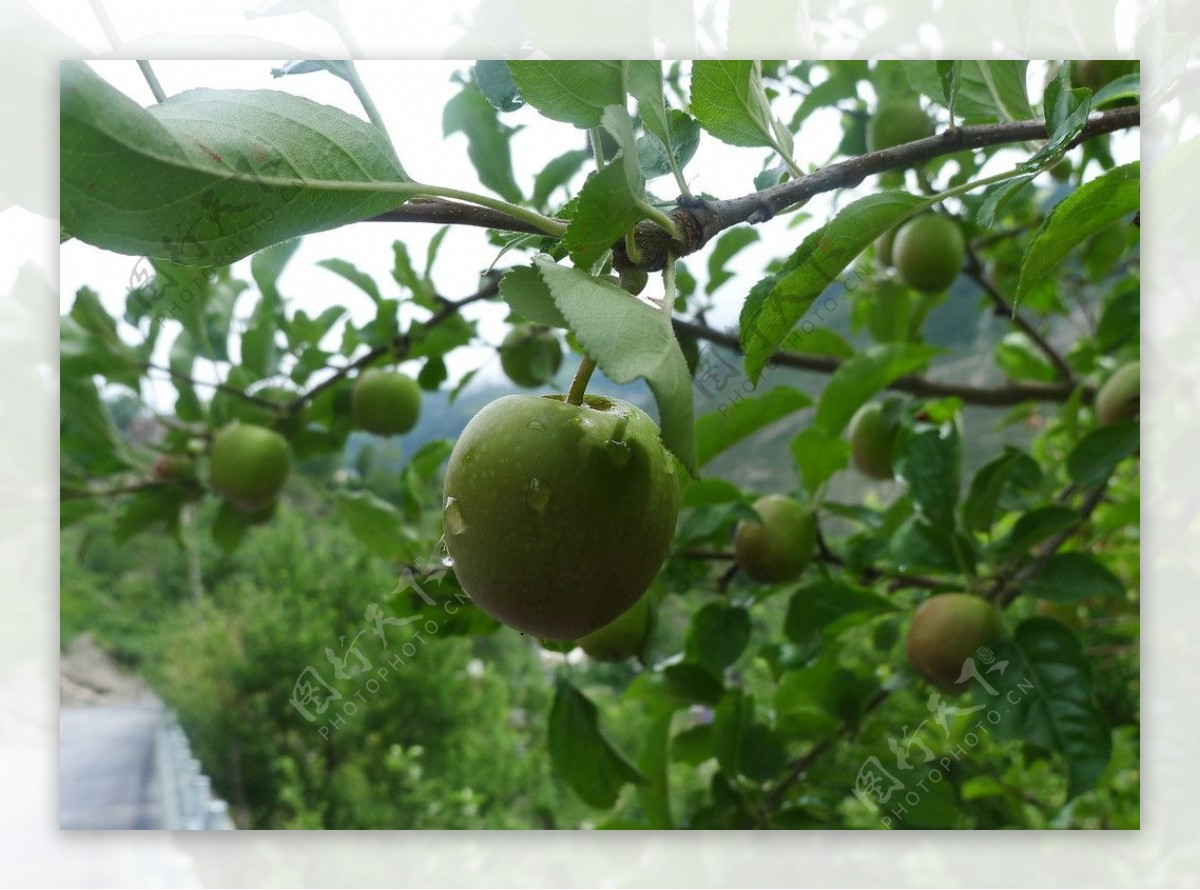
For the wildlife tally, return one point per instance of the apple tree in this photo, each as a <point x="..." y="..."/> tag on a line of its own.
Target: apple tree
<point x="864" y="554"/>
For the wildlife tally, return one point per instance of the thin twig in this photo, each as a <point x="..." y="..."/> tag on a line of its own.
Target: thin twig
<point x="974" y="269"/>
<point x="999" y="396"/>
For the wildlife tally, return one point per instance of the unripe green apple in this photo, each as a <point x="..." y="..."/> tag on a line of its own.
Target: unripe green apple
<point x="386" y="403"/>
<point x="557" y="517"/>
<point x="174" y="468"/>
<point x="883" y="248"/>
<point x="946" y="630"/>
<point x="1061" y="171"/>
<point x="249" y="465"/>
<point x="623" y="638"/>
<point x="928" y="253"/>
<point x="1121" y="395"/>
<point x="530" y="355"/>
<point x="1097" y="73"/>
<point x="778" y="548"/>
<point x="895" y="125"/>
<point x="872" y="441"/>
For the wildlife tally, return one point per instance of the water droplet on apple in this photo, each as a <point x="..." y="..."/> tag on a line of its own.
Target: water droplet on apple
<point x="537" y="426"/>
<point x="452" y="518"/>
<point x="446" y="560"/>
<point x="538" y="495"/>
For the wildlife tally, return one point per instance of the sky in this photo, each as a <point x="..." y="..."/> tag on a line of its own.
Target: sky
<point x="410" y="96"/>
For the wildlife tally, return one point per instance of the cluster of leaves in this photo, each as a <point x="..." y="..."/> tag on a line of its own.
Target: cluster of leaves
<point x="756" y="705"/>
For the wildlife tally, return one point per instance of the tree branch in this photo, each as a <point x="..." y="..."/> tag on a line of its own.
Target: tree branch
<point x="974" y="268"/>
<point x="996" y="397"/>
<point x="220" y="387"/>
<point x="700" y="221"/>
<point x="400" y="345"/>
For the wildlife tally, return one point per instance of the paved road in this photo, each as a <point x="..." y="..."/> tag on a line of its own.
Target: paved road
<point x="107" y="770"/>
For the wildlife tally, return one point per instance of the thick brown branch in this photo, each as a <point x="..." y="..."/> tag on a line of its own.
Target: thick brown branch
<point x="453" y="213"/>
<point x="997" y="397"/>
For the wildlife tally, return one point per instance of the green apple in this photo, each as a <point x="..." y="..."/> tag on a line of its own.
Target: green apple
<point x="895" y="125"/>
<point x="623" y="638"/>
<point x="928" y="252"/>
<point x="249" y="465"/>
<point x="872" y="441"/>
<point x="1097" y="73"/>
<point x="1061" y="171"/>
<point x="780" y="546"/>
<point x="947" y="629"/>
<point x="1121" y="395"/>
<point x="386" y="403"/>
<point x="883" y="248"/>
<point x="557" y="516"/>
<point x="530" y="355"/>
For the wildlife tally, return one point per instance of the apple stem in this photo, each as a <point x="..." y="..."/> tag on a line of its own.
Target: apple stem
<point x="579" y="384"/>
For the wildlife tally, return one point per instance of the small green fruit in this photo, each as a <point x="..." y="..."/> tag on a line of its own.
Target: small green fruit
<point x="623" y="638"/>
<point x="386" y="403"/>
<point x="1097" y="73"/>
<point x="530" y="355"/>
<point x="872" y="441"/>
<point x="556" y="516"/>
<point x="947" y="629"/>
<point x="928" y="253"/>
<point x="883" y="248"/>
<point x="1061" y="171"/>
<point x="778" y="548"/>
<point x="1121" y="395"/>
<point x="249" y="465"/>
<point x="895" y="125"/>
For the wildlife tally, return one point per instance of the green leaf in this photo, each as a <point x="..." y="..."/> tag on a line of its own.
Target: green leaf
<point x="375" y="522"/>
<point x="607" y="208"/>
<point x="1071" y="577"/>
<point x="143" y="510"/>
<point x="1047" y="686"/>
<point x="1098" y="453"/>
<point x="817" y="456"/>
<point x="929" y="459"/>
<point x="1017" y="357"/>
<point x="656" y="159"/>
<point x="1089" y="208"/>
<point x="1065" y="111"/>
<point x="1011" y="471"/>
<point x="87" y="438"/>
<point x="717" y="636"/>
<point x="950" y="75"/>
<point x="710" y="491"/>
<point x="496" y="83"/>
<point x="487" y="140"/>
<point x="354" y="275"/>
<point x="728" y="102"/>
<point x="777" y="302"/>
<point x="580" y="753"/>
<point x="572" y="92"/>
<point x="654" y="762"/>
<point x="726" y="247"/>
<point x="734" y="421"/>
<point x="731" y="718"/>
<point x="831" y="608"/>
<point x="528" y="296"/>
<point x="233" y="170"/>
<point x="89" y="344"/>
<point x="556" y="174"/>
<point x="1037" y="525"/>
<point x="229" y="527"/>
<point x="859" y="378"/>
<point x="987" y="90"/>
<point x="919" y="545"/>
<point x="629" y="339"/>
